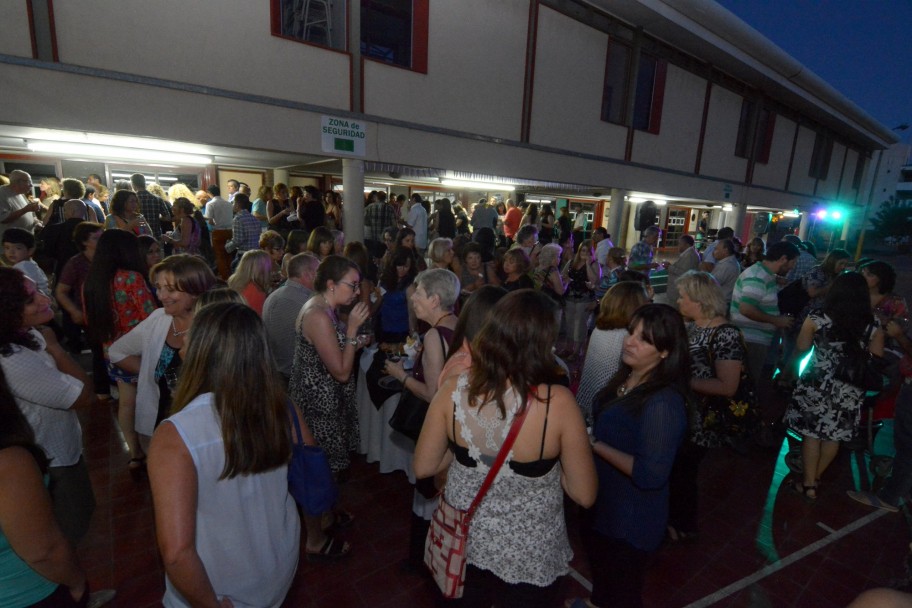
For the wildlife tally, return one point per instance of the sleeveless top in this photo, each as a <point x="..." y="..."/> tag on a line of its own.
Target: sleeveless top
<point x="577" y="289"/>
<point x="447" y="337"/>
<point x="193" y="245"/>
<point x="247" y="527"/>
<point x="19" y="584"/>
<point x="518" y="532"/>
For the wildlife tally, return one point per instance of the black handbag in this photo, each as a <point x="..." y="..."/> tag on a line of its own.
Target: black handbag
<point x="412" y="409"/>
<point x="793" y="298"/>
<point x="862" y="370"/>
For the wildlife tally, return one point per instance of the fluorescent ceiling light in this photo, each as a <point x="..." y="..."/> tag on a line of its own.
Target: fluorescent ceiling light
<point x="636" y="199"/>
<point x="458" y="183"/>
<point x="727" y="208"/>
<point x="149" y="178"/>
<point x="791" y="214"/>
<point x="659" y="202"/>
<point x="121" y="141"/>
<point x="113" y="153"/>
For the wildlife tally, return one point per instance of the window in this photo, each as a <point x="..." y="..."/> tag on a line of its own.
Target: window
<point x="395" y="32"/>
<point x="859" y="171"/>
<point x="762" y="137"/>
<point x="649" y="89"/>
<point x="314" y="21"/>
<point x="820" y="158"/>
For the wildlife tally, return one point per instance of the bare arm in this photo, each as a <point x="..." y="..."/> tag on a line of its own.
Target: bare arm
<point x="28" y="522"/>
<point x="318" y="329"/>
<point x="876" y="346"/>
<point x="725" y="382"/>
<point x="578" y="476"/>
<point x="432" y="449"/>
<point x="622" y="461"/>
<point x="755" y="314"/>
<point x="432" y="362"/>
<point x="172" y="476"/>
<point x="62" y="293"/>
<point x="15" y="215"/>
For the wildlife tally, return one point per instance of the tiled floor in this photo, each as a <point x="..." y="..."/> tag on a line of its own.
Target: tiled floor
<point x="748" y="523"/>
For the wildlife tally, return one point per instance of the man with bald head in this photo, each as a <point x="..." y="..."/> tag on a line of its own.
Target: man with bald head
<point x="280" y="311"/>
<point x="15" y="208"/>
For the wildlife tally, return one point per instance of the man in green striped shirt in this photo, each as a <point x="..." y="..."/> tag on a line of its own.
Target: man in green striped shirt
<point x="755" y="303"/>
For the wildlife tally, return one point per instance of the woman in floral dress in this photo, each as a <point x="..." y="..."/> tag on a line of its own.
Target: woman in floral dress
<point x="116" y="298"/>
<point x="823" y="409"/>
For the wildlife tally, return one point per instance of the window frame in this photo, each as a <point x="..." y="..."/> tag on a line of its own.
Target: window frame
<point x="275" y="25"/>
<point x="753" y="113"/>
<point x="420" y="22"/>
<point x="821" y="156"/>
<point x="656" y="92"/>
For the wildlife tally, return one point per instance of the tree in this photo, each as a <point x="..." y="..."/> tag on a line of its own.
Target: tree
<point x="894" y="218"/>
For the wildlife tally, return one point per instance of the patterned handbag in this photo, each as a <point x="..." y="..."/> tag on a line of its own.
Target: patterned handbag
<point x="445" y="546"/>
<point x="738" y="415"/>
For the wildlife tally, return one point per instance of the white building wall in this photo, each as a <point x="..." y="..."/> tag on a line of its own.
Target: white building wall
<point x="719" y="158"/>
<point x="229" y="46"/>
<point x="846" y="192"/>
<point x="675" y="146"/>
<point x="16" y="39"/>
<point x="569" y="85"/>
<point x="476" y="69"/>
<point x="829" y="188"/>
<point x="800" y="181"/>
<point x="773" y="173"/>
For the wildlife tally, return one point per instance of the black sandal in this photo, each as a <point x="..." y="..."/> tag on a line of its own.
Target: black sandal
<point x="331" y="551"/>
<point x="341" y="520"/>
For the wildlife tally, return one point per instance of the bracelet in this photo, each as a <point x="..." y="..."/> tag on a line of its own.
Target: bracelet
<point x="353" y="342"/>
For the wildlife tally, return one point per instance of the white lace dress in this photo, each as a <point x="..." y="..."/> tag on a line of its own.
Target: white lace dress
<point x="518" y="532"/>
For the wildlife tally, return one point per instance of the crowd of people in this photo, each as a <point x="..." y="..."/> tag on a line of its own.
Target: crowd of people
<point x="179" y="295"/>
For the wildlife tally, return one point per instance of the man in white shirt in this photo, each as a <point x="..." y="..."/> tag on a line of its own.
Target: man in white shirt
<point x="417" y="220"/>
<point x="233" y="187"/>
<point x="15" y="209"/>
<point x="603" y="243"/>
<point x="218" y="214"/>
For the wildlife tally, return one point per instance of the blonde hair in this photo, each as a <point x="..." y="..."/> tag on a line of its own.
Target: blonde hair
<point x="585" y="249"/>
<point x="157" y="190"/>
<point x="703" y="288"/>
<point x="228" y="355"/>
<point x="255" y="267"/>
<point x="179" y="190"/>
<point x="619" y="303"/>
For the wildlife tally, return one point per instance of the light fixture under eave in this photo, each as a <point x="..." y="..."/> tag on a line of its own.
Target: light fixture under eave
<point x="114" y="153"/>
<point x="660" y="203"/>
<point x="458" y="183"/>
<point x="728" y="208"/>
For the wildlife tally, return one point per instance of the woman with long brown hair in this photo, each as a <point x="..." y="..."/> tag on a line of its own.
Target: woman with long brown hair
<point x="227" y="528"/>
<point x="512" y="374"/>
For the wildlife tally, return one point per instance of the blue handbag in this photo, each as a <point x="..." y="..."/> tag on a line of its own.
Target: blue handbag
<point x="310" y="480"/>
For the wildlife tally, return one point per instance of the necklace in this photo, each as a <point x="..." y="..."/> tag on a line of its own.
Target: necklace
<point x="449" y="314"/>
<point x="174" y="331"/>
<point x="623" y="389"/>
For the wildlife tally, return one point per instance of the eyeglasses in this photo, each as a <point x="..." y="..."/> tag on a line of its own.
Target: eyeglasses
<point x="354" y="286"/>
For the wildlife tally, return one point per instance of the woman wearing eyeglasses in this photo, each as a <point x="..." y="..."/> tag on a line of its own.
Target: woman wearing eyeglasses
<point x="322" y="384"/>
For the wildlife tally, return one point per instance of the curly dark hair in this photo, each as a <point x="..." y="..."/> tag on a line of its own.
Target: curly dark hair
<point x="13" y="297"/>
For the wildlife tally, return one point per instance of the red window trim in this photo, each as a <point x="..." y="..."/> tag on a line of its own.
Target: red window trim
<point x="420" y="19"/>
<point x="52" y="30"/>
<point x="658" y="96"/>
<point x="275" y="28"/>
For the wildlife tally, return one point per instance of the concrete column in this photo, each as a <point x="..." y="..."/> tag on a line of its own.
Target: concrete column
<point x="631" y="235"/>
<point x="353" y="199"/>
<point x="280" y="176"/>
<point x="614" y="226"/>
<point x="735" y="218"/>
<point x="804" y="225"/>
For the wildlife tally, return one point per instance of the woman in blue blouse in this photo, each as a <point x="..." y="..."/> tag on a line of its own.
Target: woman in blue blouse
<point x="640" y="422"/>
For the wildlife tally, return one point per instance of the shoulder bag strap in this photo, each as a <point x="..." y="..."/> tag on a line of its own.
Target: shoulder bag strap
<point x="297" y="437"/>
<point x="498" y="462"/>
